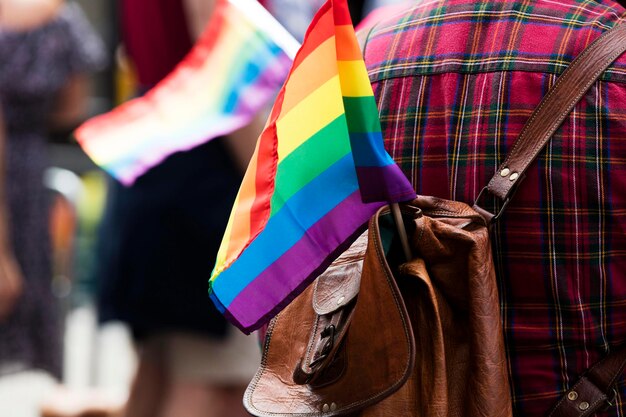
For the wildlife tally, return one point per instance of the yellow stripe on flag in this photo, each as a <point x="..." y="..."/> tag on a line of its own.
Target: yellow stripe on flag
<point x="309" y="116"/>
<point x="239" y="232"/>
<point x="310" y="74"/>
<point x="354" y="79"/>
<point x="222" y="254"/>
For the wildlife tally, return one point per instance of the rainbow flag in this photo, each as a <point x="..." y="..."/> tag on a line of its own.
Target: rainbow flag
<point x="300" y="204"/>
<point x="237" y="65"/>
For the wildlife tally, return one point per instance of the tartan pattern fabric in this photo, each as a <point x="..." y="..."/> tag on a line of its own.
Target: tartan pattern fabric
<point x="456" y="81"/>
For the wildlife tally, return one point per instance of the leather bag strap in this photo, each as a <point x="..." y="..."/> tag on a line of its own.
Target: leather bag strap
<point x="594" y="390"/>
<point x="567" y="91"/>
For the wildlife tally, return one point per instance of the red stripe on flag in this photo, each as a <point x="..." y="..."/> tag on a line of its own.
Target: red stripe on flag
<point x="211" y="35"/>
<point x="322" y="27"/>
<point x="266" y="171"/>
<point x="341" y="12"/>
<point x="133" y="109"/>
<point x="264" y="181"/>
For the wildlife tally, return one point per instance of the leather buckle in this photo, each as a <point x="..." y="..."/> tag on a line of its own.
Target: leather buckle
<point x="328" y="332"/>
<point x="490" y="217"/>
<point x="610" y="402"/>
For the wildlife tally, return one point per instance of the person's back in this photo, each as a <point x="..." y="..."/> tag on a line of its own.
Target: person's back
<point x="456" y="81"/>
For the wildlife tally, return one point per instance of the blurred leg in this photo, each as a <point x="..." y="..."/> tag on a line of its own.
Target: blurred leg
<point x="196" y="399"/>
<point x="150" y="383"/>
<point x="209" y="376"/>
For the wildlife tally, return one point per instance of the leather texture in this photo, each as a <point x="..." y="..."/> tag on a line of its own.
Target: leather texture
<point x="555" y="107"/>
<point x="421" y="338"/>
<point x="594" y="390"/>
<point x="450" y="291"/>
<point x="368" y="356"/>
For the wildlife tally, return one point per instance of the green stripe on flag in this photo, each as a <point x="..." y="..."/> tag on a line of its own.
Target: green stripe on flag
<point x="309" y="160"/>
<point x="362" y="114"/>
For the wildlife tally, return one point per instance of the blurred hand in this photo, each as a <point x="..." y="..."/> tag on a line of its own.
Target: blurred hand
<point x="11" y="284"/>
<point x="24" y="15"/>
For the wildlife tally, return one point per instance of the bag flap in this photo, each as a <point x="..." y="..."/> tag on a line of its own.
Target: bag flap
<point x="340" y="283"/>
<point x="375" y="357"/>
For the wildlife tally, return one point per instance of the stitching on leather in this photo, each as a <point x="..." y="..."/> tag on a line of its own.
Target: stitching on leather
<point x="315" y="303"/>
<point x="572" y="104"/>
<point x="441" y="212"/>
<point x="407" y="334"/>
<point x="307" y="357"/>
<point x="596" y="45"/>
<point x="421" y="227"/>
<point x="591" y="408"/>
<point x="262" y="367"/>
<point x="617" y="374"/>
<point x="557" y="406"/>
<point x="394" y="387"/>
<point x="317" y="306"/>
<point x="559" y="81"/>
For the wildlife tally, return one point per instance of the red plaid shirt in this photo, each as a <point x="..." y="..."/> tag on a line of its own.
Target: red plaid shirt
<point x="456" y="81"/>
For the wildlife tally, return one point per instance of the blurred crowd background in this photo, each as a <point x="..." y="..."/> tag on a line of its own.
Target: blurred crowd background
<point x="92" y="356"/>
<point x="104" y="362"/>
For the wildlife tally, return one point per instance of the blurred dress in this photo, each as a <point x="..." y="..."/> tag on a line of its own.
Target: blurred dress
<point x="34" y="66"/>
<point x="159" y="237"/>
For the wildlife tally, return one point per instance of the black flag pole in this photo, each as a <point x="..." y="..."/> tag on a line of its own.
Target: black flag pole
<point x="404" y="240"/>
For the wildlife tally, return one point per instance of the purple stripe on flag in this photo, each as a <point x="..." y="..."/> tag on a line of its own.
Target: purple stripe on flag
<point x="271" y="77"/>
<point x="297" y="267"/>
<point x="386" y="183"/>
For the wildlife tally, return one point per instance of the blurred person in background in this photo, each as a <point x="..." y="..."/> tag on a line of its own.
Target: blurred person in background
<point x="46" y="49"/>
<point x="296" y="15"/>
<point x="159" y="239"/>
<point x="371" y="5"/>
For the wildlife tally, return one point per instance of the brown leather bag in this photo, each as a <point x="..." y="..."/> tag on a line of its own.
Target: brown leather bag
<point x="424" y="334"/>
<point x="377" y="336"/>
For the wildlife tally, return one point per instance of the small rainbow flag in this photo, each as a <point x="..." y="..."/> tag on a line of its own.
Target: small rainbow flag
<point x="300" y="204"/>
<point x="237" y="65"/>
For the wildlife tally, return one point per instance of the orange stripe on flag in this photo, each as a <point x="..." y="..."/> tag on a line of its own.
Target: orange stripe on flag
<point x="264" y="182"/>
<point x="324" y="30"/>
<point x="310" y="75"/>
<point x="240" y="232"/>
<point x="253" y="208"/>
<point x="348" y="48"/>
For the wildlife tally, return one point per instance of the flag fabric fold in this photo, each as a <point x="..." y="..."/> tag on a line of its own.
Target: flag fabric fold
<point x="319" y="172"/>
<point x="235" y="68"/>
